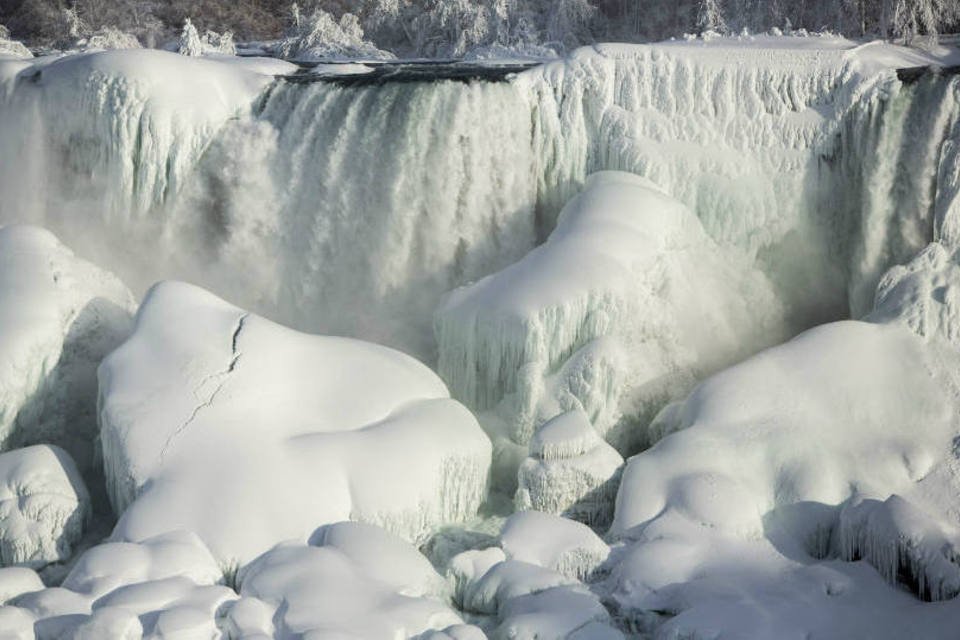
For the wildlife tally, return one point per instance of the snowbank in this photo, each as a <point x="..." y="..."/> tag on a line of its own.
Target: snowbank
<point x="44" y="507"/>
<point x="59" y="316"/>
<point x="312" y="429"/>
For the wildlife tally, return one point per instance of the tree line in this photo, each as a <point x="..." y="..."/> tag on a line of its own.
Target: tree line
<point x="451" y="27"/>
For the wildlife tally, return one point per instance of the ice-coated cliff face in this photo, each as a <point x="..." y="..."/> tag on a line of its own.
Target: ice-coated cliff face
<point x="275" y="184"/>
<point x="309" y="430"/>
<point x="59" y="316"/>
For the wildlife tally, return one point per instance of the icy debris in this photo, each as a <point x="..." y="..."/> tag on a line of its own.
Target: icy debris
<point x="59" y="316"/>
<point x="287" y="413"/>
<point x="507" y="580"/>
<point x="312" y="589"/>
<point x="111" y="565"/>
<point x="567" y="547"/>
<point x="383" y="557"/>
<point x="626" y="302"/>
<point x="466" y="568"/>
<point x="571" y="471"/>
<point x="44" y="506"/>
<point x="15" y="581"/>
<point x="894" y="535"/>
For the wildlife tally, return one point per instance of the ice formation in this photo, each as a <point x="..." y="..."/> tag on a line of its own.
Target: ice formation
<point x="571" y="470"/>
<point x="44" y="507"/>
<point x="313" y="430"/>
<point x="59" y="316"/>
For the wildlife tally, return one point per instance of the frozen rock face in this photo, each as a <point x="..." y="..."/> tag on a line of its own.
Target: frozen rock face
<point x="571" y="471"/>
<point x="44" y="506"/>
<point x="840" y="444"/>
<point x="313" y="430"/>
<point x="626" y="303"/>
<point x="59" y="316"/>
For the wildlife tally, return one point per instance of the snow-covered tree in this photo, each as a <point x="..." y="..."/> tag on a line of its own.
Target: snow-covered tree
<point x="710" y="17"/>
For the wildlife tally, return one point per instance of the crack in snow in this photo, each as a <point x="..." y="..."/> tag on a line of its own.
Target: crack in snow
<point x="222" y="375"/>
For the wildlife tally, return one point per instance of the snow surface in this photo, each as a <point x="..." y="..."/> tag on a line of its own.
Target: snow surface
<point x="309" y="429"/>
<point x="59" y="316"/>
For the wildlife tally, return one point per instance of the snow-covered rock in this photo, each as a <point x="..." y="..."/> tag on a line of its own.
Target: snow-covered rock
<point x="625" y="305"/>
<point x="313" y="429"/>
<point x="320" y="589"/>
<point x="383" y="557"/>
<point x="12" y="48"/>
<point x="111" y="565"/>
<point x="44" y="506"/>
<point x="840" y="444"/>
<point x="59" y="316"/>
<point x="565" y="546"/>
<point x="571" y="471"/>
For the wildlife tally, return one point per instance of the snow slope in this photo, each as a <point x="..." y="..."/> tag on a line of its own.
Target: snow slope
<point x="308" y="429"/>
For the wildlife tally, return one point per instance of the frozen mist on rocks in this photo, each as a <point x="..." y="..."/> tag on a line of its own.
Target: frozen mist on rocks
<point x="702" y="293"/>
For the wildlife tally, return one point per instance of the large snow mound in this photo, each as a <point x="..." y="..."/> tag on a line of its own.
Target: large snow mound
<point x="626" y="303"/>
<point x="44" y="506"/>
<point x="839" y="445"/>
<point x="309" y="429"/>
<point x="59" y="316"/>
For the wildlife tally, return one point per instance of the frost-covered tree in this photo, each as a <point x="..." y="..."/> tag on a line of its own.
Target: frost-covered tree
<point x="324" y="37"/>
<point x="710" y="17"/>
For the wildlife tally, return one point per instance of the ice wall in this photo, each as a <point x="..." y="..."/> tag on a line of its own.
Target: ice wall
<point x="352" y="209"/>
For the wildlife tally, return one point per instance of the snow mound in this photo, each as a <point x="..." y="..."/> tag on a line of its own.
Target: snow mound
<point x="838" y="445"/>
<point x="16" y="581"/>
<point x="44" y="506"/>
<point x="571" y="471"/>
<point x="111" y="565"/>
<point x="383" y="557"/>
<point x="315" y="590"/>
<point x="565" y="546"/>
<point x="625" y="304"/>
<point x="287" y="413"/>
<point x="59" y="316"/>
<point x="520" y="600"/>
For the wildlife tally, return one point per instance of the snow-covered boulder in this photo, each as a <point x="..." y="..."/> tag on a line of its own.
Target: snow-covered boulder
<point x="622" y="308"/>
<point x="111" y="565"/>
<point x="571" y="471"/>
<point x="59" y="316"/>
<point x="310" y="429"/>
<point x="565" y="546"/>
<point x="310" y="589"/>
<point x="383" y="557"/>
<point x="838" y="445"/>
<point x="44" y="506"/>
<point x="16" y="581"/>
